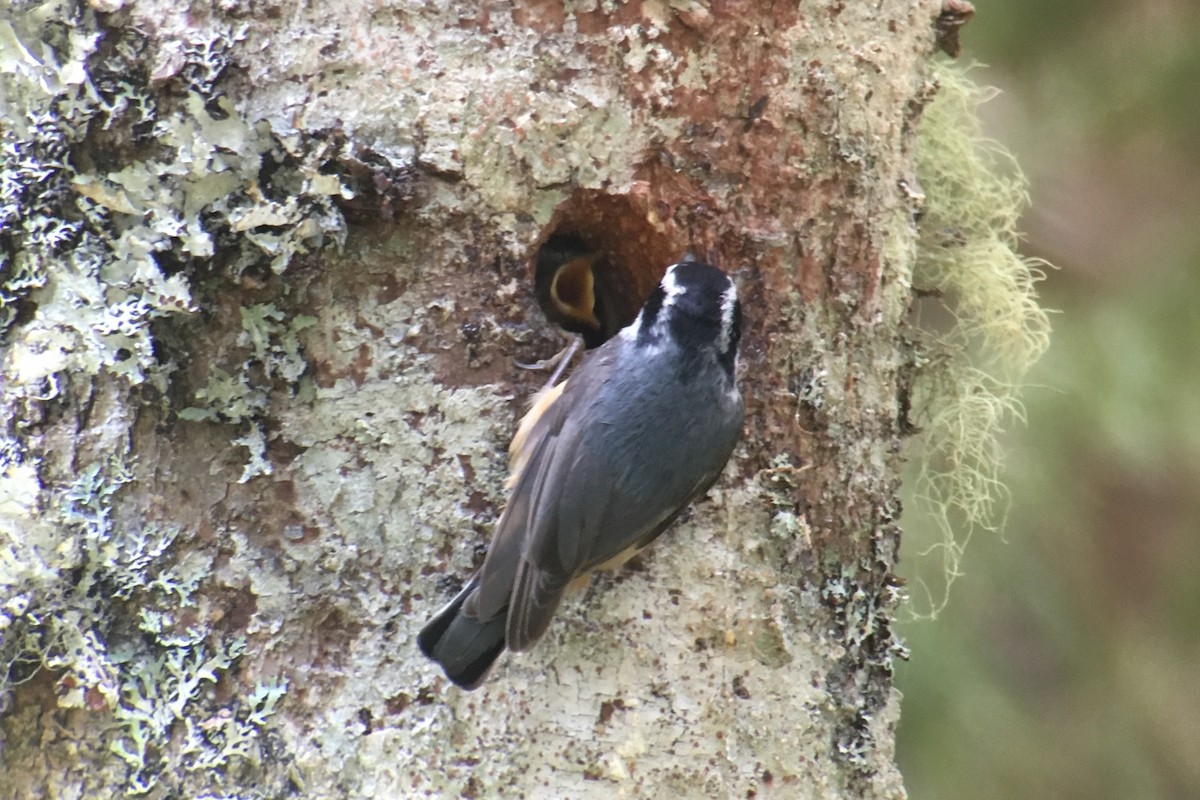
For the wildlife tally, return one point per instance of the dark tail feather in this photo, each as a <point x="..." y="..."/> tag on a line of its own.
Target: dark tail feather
<point x="464" y="647"/>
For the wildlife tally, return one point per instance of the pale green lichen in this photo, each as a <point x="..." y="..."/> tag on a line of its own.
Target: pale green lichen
<point x="275" y="355"/>
<point x="94" y="298"/>
<point x="52" y="627"/>
<point x="166" y="675"/>
<point x="113" y="204"/>
<point x="90" y="255"/>
<point x="156" y="677"/>
<point x="227" y="398"/>
<point x="970" y="372"/>
<point x="162" y="707"/>
<point x="98" y="255"/>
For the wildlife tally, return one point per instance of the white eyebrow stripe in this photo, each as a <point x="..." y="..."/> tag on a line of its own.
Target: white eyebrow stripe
<point x="728" y="302"/>
<point x="671" y="287"/>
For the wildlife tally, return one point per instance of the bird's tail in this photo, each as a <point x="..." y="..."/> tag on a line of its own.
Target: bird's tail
<point x="464" y="647"/>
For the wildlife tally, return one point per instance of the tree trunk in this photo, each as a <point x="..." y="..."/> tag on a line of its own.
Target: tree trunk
<point x="265" y="283"/>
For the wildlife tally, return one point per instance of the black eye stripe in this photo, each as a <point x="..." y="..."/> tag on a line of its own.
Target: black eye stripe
<point x="651" y="311"/>
<point x="654" y="303"/>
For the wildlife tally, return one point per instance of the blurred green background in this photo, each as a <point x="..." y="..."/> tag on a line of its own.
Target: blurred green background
<point x="1067" y="663"/>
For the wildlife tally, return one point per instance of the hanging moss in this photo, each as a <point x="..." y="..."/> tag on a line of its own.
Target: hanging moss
<point x="986" y="329"/>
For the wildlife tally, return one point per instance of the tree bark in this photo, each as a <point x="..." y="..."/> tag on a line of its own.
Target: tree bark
<point x="258" y="438"/>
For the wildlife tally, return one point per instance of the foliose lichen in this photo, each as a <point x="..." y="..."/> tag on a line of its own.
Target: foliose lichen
<point x="122" y="195"/>
<point x="124" y="634"/>
<point x="274" y="355"/>
<point x="115" y="199"/>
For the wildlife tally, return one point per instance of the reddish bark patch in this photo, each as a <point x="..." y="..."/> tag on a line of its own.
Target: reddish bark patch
<point x="543" y="16"/>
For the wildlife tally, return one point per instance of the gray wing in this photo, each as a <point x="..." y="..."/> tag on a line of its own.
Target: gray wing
<point x="545" y="455"/>
<point x="578" y="503"/>
<point x="587" y="507"/>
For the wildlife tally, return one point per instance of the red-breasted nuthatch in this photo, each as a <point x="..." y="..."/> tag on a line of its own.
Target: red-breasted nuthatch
<point x="601" y="465"/>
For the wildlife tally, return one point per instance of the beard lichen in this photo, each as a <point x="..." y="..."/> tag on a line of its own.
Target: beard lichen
<point x="980" y="334"/>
